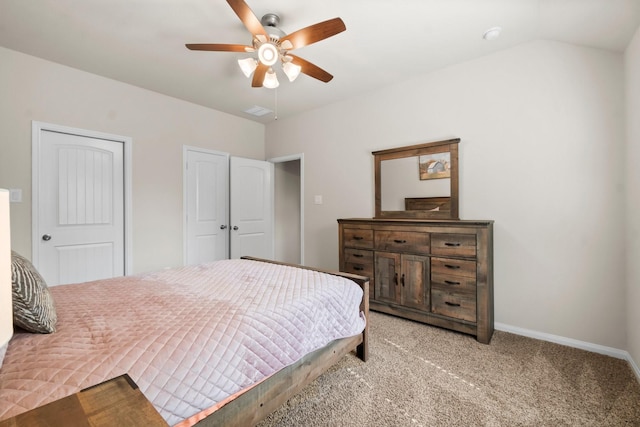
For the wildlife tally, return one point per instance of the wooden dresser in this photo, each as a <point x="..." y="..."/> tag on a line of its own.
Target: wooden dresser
<point x="438" y="272"/>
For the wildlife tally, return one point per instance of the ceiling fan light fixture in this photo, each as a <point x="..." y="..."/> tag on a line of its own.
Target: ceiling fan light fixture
<point x="268" y="54"/>
<point x="291" y="70"/>
<point x="270" y="80"/>
<point x="248" y="66"/>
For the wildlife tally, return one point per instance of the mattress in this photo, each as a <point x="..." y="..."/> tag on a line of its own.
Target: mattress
<point x="190" y="337"/>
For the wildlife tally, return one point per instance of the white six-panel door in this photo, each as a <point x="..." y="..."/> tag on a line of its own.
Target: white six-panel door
<point x="80" y="201"/>
<point x="206" y="202"/>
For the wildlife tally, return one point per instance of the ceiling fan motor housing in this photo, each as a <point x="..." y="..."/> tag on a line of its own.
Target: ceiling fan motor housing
<point x="270" y="22"/>
<point x="269" y="51"/>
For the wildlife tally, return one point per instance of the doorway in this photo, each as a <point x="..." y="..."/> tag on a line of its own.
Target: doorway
<point x="289" y="208"/>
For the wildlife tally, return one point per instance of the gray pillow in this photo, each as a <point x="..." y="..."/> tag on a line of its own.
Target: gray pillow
<point x="33" y="306"/>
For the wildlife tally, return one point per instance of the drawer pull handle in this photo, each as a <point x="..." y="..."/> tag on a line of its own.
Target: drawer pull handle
<point x="452" y="244"/>
<point x="400" y="241"/>
<point x="358" y="268"/>
<point x="358" y="255"/>
<point x="358" y="237"/>
<point x="450" y="282"/>
<point x="395" y="279"/>
<point x="402" y="280"/>
<point x="452" y="304"/>
<point x="453" y="267"/>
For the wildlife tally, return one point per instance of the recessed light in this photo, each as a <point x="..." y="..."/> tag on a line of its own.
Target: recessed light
<point x="492" y="33"/>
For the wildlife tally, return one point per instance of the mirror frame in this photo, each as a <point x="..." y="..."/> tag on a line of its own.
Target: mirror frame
<point x="449" y="145"/>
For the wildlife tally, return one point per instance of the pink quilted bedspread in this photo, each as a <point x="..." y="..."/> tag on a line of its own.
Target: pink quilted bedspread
<point x="189" y="337"/>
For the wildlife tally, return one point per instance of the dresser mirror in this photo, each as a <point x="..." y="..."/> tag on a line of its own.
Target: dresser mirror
<point x="417" y="181"/>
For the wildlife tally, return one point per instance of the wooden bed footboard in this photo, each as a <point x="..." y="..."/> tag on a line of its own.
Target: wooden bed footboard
<point x="258" y="402"/>
<point x="251" y="407"/>
<point x="363" y="349"/>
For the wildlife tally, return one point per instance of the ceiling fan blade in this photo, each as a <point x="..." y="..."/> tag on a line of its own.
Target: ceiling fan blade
<point x="248" y="18"/>
<point x="315" y="33"/>
<point x="220" y="47"/>
<point x="258" y="75"/>
<point x="310" y="69"/>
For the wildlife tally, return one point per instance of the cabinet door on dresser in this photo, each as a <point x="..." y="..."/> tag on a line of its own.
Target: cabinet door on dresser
<point x="387" y="270"/>
<point x="402" y="279"/>
<point x="414" y="280"/>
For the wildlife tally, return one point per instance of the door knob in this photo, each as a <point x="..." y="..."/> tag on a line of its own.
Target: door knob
<point x="235" y="227"/>
<point x="222" y="227"/>
<point x="46" y="237"/>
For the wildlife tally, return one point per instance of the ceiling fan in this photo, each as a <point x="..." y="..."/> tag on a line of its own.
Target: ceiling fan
<point x="273" y="45"/>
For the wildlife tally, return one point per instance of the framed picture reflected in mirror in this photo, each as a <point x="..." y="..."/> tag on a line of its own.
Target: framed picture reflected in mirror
<point x="435" y="166"/>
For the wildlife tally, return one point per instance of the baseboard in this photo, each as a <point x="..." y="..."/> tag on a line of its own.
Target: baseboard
<point x="633" y="365"/>
<point x="583" y="345"/>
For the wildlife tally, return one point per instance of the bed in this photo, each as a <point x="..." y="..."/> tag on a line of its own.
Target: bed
<point x="223" y="343"/>
<point x="433" y="204"/>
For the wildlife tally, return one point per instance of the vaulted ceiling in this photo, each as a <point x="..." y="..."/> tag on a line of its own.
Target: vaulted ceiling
<point x="142" y="42"/>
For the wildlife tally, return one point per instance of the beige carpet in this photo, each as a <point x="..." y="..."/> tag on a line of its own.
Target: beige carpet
<point x="419" y="375"/>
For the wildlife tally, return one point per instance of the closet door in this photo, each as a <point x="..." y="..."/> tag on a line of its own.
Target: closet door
<point x="206" y="204"/>
<point x="79" y="204"/>
<point x="251" y="208"/>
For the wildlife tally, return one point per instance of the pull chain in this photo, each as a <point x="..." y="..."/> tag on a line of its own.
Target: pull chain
<point x="276" y="102"/>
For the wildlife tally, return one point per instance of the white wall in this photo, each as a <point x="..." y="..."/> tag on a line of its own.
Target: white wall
<point x="34" y="89"/>
<point x="632" y="74"/>
<point x="542" y="144"/>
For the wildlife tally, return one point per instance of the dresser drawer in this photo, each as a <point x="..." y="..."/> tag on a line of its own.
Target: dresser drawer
<point x="358" y="261"/>
<point x="459" y="305"/>
<point x="357" y="238"/>
<point x="463" y="245"/>
<point x="453" y="267"/>
<point x="358" y="256"/>
<point x="361" y="263"/>
<point x="453" y="283"/>
<point x="362" y="269"/>
<point x="402" y="241"/>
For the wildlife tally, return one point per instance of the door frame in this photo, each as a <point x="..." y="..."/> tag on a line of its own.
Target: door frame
<point x="290" y="158"/>
<point x="36" y="130"/>
<point x="185" y="150"/>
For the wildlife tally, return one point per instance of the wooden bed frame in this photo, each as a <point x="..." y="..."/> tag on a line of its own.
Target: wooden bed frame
<point x="258" y="402"/>
<point x="442" y="204"/>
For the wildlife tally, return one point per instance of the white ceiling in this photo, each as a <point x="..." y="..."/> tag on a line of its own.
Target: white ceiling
<point x="141" y="42"/>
